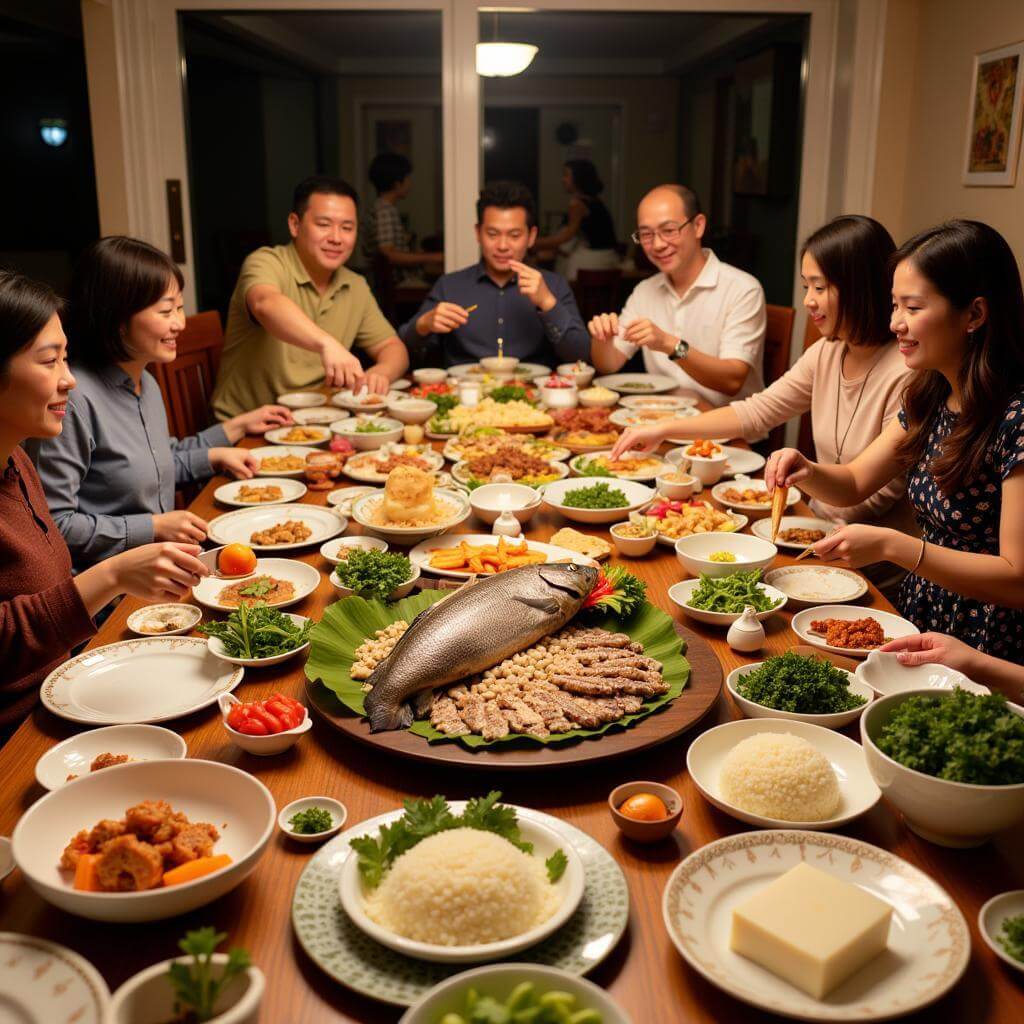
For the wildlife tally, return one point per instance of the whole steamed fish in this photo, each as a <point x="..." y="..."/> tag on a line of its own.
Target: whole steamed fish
<point x="473" y="630"/>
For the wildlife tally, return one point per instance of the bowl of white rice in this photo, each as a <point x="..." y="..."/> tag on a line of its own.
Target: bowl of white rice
<point x="464" y="895"/>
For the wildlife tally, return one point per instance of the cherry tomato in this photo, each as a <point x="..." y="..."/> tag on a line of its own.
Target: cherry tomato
<point x="644" y="807"/>
<point x="236" y="560"/>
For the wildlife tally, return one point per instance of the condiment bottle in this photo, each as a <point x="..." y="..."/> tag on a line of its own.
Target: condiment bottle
<point x="746" y="634"/>
<point x="508" y="526"/>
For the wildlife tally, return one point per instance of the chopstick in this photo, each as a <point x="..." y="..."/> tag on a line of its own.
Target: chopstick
<point x="809" y="550"/>
<point x="779" y="496"/>
<point x="469" y="309"/>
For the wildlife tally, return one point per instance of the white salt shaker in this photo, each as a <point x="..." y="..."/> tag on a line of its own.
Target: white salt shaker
<point x="746" y="634"/>
<point x="506" y="525"/>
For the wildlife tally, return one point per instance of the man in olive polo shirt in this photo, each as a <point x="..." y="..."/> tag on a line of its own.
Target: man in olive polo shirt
<point x="297" y="311"/>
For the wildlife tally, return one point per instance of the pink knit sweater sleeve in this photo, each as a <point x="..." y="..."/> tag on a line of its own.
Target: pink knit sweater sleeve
<point x="787" y="397"/>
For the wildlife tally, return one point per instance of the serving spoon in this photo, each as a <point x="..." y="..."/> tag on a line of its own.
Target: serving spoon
<point x="210" y="559"/>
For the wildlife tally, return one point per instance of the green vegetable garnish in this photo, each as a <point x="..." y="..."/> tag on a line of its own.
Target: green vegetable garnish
<point x="444" y="403"/>
<point x="963" y="737"/>
<point x="1011" y="937"/>
<point x="807" y="686"/>
<point x="373" y="573"/>
<point x="617" y="591"/>
<point x="258" y="588"/>
<point x="425" y="818"/>
<point x="311" y="821"/>
<point x="257" y="632"/>
<point x="195" y="989"/>
<point x="525" y="1004"/>
<point x="369" y="427"/>
<point x="556" y="865"/>
<point x="591" y="467"/>
<point x="598" y="496"/>
<point x="731" y="594"/>
<point x="510" y="393"/>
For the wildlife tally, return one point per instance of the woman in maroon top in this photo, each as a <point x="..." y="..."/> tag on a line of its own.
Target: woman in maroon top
<point x="44" y="610"/>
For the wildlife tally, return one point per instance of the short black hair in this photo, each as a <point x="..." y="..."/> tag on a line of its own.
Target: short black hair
<point x="115" y="278"/>
<point x="506" y="195"/>
<point x="388" y="170"/>
<point x="585" y="177"/>
<point x="321" y="184"/>
<point x="691" y="201"/>
<point x="25" y="309"/>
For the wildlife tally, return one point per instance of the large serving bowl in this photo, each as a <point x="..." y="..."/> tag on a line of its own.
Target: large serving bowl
<point x="694" y="553"/>
<point x="490" y="500"/>
<point x="637" y="495"/>
<point x="958" y="814"/>
<point x="368" y="442"/>
<point x="411" y="410"/>
<point x="406" y="536"/>
<point x="237" y="803"/>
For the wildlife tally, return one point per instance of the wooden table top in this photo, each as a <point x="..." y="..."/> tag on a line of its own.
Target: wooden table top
<point x="644" y="973"/>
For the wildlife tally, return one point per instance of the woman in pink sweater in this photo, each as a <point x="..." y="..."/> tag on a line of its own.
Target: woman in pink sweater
<point x="850" y="382"/>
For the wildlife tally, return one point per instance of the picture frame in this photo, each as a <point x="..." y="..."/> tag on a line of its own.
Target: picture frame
<point x="992" y="146"/>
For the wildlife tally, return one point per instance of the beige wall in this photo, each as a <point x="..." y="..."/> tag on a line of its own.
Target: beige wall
<point x="922" y="119"/>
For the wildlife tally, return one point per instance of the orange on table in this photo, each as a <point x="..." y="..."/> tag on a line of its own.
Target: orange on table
<point x="236" y="560"/>
<point x="644" y="807"/>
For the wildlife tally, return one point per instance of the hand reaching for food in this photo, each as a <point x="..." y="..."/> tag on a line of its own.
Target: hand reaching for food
<point x="179" y="526"/>
<point x="786" y="467"/>
<point x="158" y="572"/>
<point x="258" y="421"/>
<point x="641" y="439"/>
<point x="239" y="462"/>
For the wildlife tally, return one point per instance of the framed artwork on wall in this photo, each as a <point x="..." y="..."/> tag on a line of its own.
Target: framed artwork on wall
<point x="994" y="117"/>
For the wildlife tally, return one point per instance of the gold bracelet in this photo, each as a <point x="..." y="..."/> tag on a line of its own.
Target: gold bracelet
<point x="920" y="557"/>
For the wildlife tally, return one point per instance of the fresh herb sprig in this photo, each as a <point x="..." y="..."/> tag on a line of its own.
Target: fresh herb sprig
<point x="806" y="686"/>
<point x="731" y="594"/>
<point x="257" y="632"/>
<point x="512" y="393"/>
<point x="311" y="821"/>
<point x="617" y="591"/>
<point x="596" y="496"/>
<point x="373" y="573"/>
<point x="591" y="467"/>
<point x="195" y="987"/>
<point x="1011" y="936"/>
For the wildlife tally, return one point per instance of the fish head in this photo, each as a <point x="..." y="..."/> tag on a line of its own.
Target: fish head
<point x="578" y="580"/>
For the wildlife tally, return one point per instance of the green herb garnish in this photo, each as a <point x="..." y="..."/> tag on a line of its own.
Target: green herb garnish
<point x="806" y="686"/>
<point x="310" y="821"/>
<point x="511" y="393"/>
<point x="258" y="588"/>
<point x="617" y="591"/>
<point x="731" y="594"/>
<point x="257" y="632"/>
<point x="525" y="1004"/>
<point x="373" y="573"/>
<point x="1011" y="936"/>
<point x="591" y="467"/>
<point x="598" y="496"/>
<point x="556" y="865"/>
<point x="195" y="988"/>
<point x="444" y="403"/>
<point x="962" y="737"/>
<point x="370" y="427"/>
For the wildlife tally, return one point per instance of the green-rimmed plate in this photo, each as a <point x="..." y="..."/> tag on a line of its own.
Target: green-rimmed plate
<point x="344" y="953"/>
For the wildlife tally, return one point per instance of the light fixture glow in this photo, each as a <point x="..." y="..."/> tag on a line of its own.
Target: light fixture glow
<point x="502" y="60"/>
<point x="54" y="131"/>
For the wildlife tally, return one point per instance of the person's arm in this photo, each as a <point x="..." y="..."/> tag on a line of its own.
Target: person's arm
<point x="391" y="359"/>
<point x="781" y="401"/>
<point x="577" y="211"/>
<point x="721" y="422"/>
<point x="555" y="304"/>
<point x="378" y="339"/>
<point x="609" y="351"/>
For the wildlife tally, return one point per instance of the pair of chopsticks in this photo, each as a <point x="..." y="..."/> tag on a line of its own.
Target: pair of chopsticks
<point x="779" y="496"/>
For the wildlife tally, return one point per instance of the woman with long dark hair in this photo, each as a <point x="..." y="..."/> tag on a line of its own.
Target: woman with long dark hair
<point x="958" y="316"/>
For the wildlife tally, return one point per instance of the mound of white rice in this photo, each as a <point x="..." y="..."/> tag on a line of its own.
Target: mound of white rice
<point x="463" y="887"/>
<point x="779" y="775"/>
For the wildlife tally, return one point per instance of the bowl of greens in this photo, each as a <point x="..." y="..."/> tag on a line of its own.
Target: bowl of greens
<point x="799" y="688"/>
<point x="719" y="601"/>
<point x="951" y="761"/>
<point x="367" y="433"/>
<point x="255" y="636"/>
<point x="312" y="819"/>
<point x="385" y="575"/>
<point x="720" y="553"/>
<point x="1001" y="924"/>
<point x="604" y="501"/>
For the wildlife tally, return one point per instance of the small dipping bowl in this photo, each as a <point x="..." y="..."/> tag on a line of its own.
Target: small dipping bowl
<point x="261" y="746"/>
<point x="582" y="377"/>
<point x="411" y="410"/>
<point x="708" y="471"/>
<point x="138" y="618"/>
<point x="677" y="489"/>
<point x="632" y="547"/>
<point x="337" y="810"/>
<point x="332" y="547"/>
<point x="430" y="375"/>
<point x="646" y="831"/>
<point x="489" y="501"/>
<point x="560" y="397"/>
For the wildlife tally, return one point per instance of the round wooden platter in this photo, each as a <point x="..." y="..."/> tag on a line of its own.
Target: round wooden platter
<point x="683" y="713"/>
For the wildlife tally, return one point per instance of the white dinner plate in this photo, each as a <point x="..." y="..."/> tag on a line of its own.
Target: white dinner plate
<point x="187" y="613"/>
<point x="279" y="436"/>
<point x="321" y="416"/>
<point x="812" y="584"/>
<point x="138" y="681"/>
<point x="291" y="490"/>
<point x="738" y="518"/>
<point x="659" y="402"/>
<point x="238" y="527"/>
<point x="276" y="452"/>
<point x="420" y="555"/>
<point x="300" y="399"/>
<point x="742" y="483"/>
<point x="892" y="625"/>
<point x="558" y="471"/>
<point x="929" y="942"/>
<point x="763" y="529"/>
<point x="305" y="578"/>
<point x="641" y="473"/>
<point x="524" y="371"/>
<point x="637" y="383"/>
<point x="743" y="461"/>
<point x="362" y="467"/>
<point x="648" y="417"/>
<point x="343" y="498"/>
<point x="541" y="447"/>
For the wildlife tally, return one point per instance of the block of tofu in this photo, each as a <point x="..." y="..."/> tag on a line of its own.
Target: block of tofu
<point x="811" y="929"/>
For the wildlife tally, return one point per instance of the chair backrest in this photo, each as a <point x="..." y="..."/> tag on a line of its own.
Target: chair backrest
<point x="187" y="383"/>
<point x="384" y="285"/>
<point x="597" y="291"/>
<point x="778" y="336"/>
<point x="805" y="441"/>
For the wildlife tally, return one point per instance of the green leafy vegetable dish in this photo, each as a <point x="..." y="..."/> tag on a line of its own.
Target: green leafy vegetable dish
<point x="425" y="818"/>
<point x="511" y="393"/>
<point x="597" y="496"/>
<point x="257" y="631"/>
<point x="590" y="467"/>
<point x="1011" y="937"/>
<point x="370" y="427"/>
<point x="525" y="1004"/>
<point x="731" y="594"/>
<point x="311" y="821"/>
<point x="196" y="986"/>
<point x="806" y="686"/>
<point x="959" y="736"/>
<point x="373" y="573"/>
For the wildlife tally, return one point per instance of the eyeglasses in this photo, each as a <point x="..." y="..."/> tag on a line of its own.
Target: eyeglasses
<point x="668" y="232"/>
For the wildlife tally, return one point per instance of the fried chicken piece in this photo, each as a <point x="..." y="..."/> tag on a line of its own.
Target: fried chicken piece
<point x="154" y="820"/>
<point x="107" y="760"/>
<point x="850" y="633"/>
<point x="128" y="865"/>
<point x="103" y="831"/>
<point x="193" y="841"/>
<point x="78" y="845"/>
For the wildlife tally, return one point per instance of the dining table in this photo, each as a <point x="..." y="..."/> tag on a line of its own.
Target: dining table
<point x="644" y="973"/>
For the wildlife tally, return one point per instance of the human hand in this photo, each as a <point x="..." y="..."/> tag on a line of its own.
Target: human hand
<point x="855" y="545"/>
<point x="649" y="335"/>
<point x="604" y="327"/>
<point x="533" y="286"/>
<point x="341" y="368"/>
<point x="158" y="572"/>
<point x="444" y="318"/>
<point x="641" y="439"/>
<point x="239" y="462"/>
<point x="179" y="526"/>
<point x="377" y="382"/>
<point x="259" y="421"/>
<point x="934" y="648"/>
<point x="785" y="467"/>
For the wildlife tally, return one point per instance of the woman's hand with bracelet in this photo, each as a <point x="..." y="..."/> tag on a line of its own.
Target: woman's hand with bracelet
<point x="858" y="544"/>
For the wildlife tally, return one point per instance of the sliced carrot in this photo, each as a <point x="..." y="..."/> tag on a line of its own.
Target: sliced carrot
<point x="86" y="879"/>
<point x="197" y="868"/>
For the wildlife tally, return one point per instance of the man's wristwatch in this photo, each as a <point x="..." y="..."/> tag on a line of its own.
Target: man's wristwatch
<point x="682" y="349"/>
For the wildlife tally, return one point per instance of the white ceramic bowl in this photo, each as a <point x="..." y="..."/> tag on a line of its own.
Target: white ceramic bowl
<point x="406" y="536"/>
<point x="304" y="578"/>
<point x="545" y="841"/>
<point x="834" y="720"/>
<point x="559" y="398"/>
<point x="218" y="650"/>
<point x="363" y="404"/>
<point x="751" y="553"/>
<point x="6" y="858"/>
<point x="498" y="981"/>
<point x="74" y="755"/>
<point x="262" y="746"/>
<point x="397" y="594"/>
<point x="411" y="410"/>
<point x="632" y="547"/>
<point x="490" y="500"/>
<point x="140" y="615"/>
<point x="337" y="810"/>
<point x="301" y="399"/>
<point x="582" y="377"/>
<point x="203" y="790"/>
<point x="430" y="375"/>
<point x="637" y="495"/>
<point x="680" y="594"/>
<point x="707" y="471"/>
<point x="883" y="673"/>
<point x="147" y="998"/>
<point x="677" y="489"/>
<point x="331" y="549"/>
<point x="957" y="814"/>
<point x="368" y="442"/>
<point x="990" y="922"/>
<point x="500" y="366"/>
<point x="592" y="401"/>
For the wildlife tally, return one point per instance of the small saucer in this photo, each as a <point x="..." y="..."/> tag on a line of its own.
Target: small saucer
<point x="337" y="810"/>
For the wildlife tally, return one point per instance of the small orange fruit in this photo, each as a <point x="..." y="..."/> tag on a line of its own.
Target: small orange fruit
<point x="644" y="807"/>
<point x="236" y="560"/>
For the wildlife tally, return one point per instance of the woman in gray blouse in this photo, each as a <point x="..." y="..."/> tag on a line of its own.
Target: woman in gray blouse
<point x="111" y="474"/>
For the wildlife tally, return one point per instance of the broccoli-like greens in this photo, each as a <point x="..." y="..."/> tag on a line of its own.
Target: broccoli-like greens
<point x="731" y="594"/>
<point x="257" y="631"/>
<point x="806" y="686"/>
<point x="373" y="573"/>
<point x="1011" y="937"/>
<point x="597" y="496"/>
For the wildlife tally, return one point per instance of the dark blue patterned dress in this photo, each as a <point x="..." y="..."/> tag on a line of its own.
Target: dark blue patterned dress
<point x="967" y="520"/>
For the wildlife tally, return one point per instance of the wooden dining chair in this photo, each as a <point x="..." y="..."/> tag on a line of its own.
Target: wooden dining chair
<point x="187" y="383"/>
<point x="778" y="336"/>
<point x="597" y="291"/>
<point x="805" y="439"/>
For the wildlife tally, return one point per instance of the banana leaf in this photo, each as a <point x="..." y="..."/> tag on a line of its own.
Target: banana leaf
<point x="347" y="623"/>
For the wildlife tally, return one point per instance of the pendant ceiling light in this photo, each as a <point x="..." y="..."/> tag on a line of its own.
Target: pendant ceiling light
<point x="502" y="60"/>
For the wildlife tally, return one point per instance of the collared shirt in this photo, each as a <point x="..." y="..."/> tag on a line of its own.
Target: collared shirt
<point x="384" y="228"/>
<point x="256" y="367"/>
<point x="114" y="465"/>
<point x="557" y="336"/>
<point x="722" y="314"/>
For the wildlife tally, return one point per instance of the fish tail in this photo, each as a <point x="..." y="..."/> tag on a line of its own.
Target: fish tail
<point x="385" y="716"/>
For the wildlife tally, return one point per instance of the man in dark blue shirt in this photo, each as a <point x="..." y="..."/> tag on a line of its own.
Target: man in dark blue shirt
<point x="532" y="311"/>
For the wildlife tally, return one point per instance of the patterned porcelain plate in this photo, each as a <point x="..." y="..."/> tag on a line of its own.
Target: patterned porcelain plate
<point x="42" y="983"/>
<point x="929" y="944"/>
<point x="347" y="955"/>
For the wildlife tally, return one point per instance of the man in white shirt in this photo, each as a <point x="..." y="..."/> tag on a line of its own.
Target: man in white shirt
<point x="699" y="320"/>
